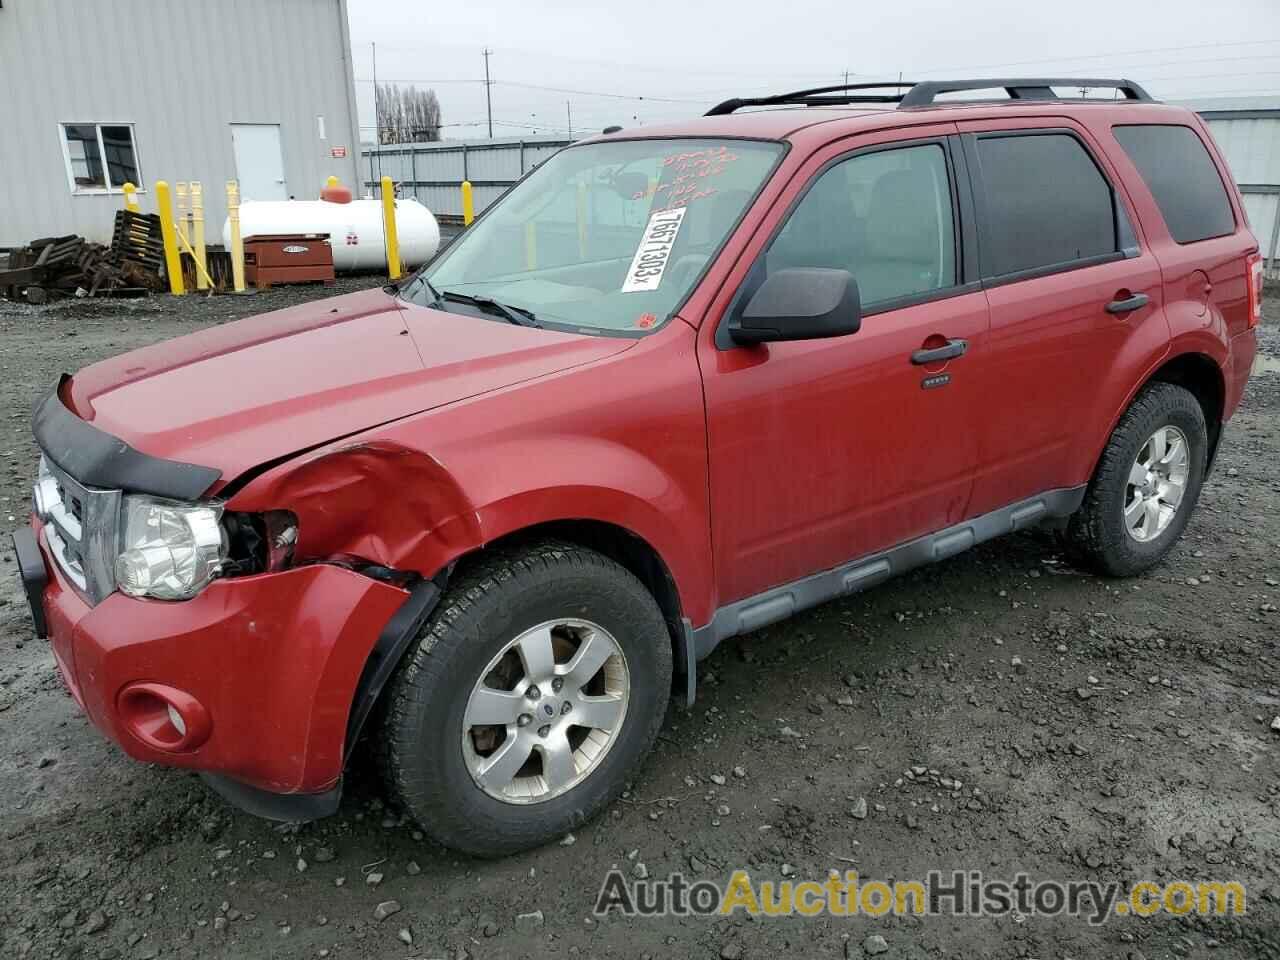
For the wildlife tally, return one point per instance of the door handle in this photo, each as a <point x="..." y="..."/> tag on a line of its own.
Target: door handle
<point x="1128" y="304"/>
<point x="953" y="348"/>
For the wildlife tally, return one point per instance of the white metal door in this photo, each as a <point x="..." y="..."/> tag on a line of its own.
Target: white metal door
<point x="259" y="161"/>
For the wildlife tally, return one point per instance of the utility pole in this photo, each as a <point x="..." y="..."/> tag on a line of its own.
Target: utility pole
<point x="377" y="114"/>
<point x="488" y="100"/>
<point x="568" y="109"/>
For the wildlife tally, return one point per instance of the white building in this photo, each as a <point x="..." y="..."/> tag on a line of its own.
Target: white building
<point x="1248" y="131"/>
<point x="94" y="93"/>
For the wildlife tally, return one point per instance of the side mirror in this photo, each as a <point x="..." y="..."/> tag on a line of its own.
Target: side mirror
<point x="800" y="303"/>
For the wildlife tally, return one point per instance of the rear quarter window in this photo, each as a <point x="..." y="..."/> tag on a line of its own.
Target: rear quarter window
<point x="1183" y="179"/>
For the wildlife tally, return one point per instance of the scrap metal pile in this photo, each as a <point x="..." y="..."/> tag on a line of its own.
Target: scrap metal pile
<point x="132" y="266"/>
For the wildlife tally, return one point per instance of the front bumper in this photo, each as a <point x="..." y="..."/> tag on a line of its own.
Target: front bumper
<point x="274" y="660"/>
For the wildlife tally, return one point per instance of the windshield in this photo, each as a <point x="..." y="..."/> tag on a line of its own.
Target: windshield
<point x="607" y="236"/>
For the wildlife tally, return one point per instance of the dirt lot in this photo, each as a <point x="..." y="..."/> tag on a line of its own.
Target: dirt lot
<point x="1100" y="729"/>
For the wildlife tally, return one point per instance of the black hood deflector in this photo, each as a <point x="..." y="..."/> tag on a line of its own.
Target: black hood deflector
<point x="97" y="459"/>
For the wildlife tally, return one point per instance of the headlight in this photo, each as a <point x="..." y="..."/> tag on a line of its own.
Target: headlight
<point x="46" y="491"/>
<point x="170" y="550"/>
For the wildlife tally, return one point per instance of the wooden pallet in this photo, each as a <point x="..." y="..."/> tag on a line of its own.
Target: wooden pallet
<point x="72" y="266"/>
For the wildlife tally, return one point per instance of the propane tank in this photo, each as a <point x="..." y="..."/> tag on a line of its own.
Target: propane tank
<point x="354" y="228"/>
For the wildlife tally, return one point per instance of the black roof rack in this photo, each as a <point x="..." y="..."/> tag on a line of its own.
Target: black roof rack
<point x="925" y="93"/>
<point x="815" y="97"/>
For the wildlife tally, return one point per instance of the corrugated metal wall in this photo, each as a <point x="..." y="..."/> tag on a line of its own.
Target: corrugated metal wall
<point x="1252" y="146"/>
<point x="433" y="173"/>
<point x="1250" y="139"/>
<point x="181" y="72"/>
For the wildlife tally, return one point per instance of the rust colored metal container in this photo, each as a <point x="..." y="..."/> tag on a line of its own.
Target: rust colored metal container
<point x="288" y="258"/>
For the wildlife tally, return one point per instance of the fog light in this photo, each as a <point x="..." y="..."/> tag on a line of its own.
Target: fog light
<point x="163" y="717"/>
<point x="176" y="719"/>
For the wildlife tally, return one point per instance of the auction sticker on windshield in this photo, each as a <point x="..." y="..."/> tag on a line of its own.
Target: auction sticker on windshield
<point x="650" y="261"/>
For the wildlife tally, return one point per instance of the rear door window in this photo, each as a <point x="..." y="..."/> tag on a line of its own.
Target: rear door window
<point x="1047" y="203"/>
<point x="1182" y="177"/>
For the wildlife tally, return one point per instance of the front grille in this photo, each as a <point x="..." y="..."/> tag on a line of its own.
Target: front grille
<point x="81" y="529"/>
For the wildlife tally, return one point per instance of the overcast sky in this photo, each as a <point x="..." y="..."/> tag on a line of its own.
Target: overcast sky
<point x="680" y="56"/>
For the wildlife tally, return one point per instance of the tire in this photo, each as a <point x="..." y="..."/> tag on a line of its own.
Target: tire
<point x="424" y="749"/>
<point x="1098" y="534"/>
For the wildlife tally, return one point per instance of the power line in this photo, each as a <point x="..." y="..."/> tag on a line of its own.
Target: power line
<point x="1214" y="94"/>
<point x="690" y="100"/>
<point x="1098" y="56"/>
<point x="543" y="55"/>
<point x="1058" y="60"/>
<point x="1214" y="76"/>
<point x="377" y="120"/>
<point x="1261" y="57"/>
<point x="535" y="86"/>
<point x="488" y="86"/>
<point x="1177" y="63"/>
<point x="755" y="71"/>
<point x="596" y="93"/>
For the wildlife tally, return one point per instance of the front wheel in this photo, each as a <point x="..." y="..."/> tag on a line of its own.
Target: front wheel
<point x="1146" y="485"/>
<point x="534" y="692"/>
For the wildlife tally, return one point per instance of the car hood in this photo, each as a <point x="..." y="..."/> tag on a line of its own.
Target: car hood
<point x="260" y="389"/>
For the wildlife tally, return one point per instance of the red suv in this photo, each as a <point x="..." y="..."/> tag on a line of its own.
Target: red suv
<point x="677" y="384"/>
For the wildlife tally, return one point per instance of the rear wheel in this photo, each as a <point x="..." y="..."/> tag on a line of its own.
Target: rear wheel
<point x="534" y="692"/>
<point x="1146" y="485"/>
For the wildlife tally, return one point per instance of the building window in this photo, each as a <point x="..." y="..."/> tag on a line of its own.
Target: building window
<point x="101" y="157"/>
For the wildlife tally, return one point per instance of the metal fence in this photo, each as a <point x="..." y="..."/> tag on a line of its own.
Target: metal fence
<point x="432" y="173"/>
<point x="1249" y="134"/>
<point x="1262" y="204"/>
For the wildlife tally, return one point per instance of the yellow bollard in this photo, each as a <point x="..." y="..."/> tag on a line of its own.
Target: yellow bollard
<point x="131" y="198"/>
<point x="197" y="224"/>
<point x="468" y="203"/>
<point x="332" y="181"/>
<point x="237" y="244"/>
<point x="389" y="228"/>
<point x="181" y="196"/>
<point x="172" y="262"/>
<point x="531" y="245"/>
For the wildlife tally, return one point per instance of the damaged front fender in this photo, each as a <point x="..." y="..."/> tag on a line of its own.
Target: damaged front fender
<point x="378" y="502"/>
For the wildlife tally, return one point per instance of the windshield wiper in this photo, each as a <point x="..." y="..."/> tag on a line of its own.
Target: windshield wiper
<point x="517" y="315"/>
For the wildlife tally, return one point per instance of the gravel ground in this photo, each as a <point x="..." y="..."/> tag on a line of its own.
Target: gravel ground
<point x="1112" y="730"/>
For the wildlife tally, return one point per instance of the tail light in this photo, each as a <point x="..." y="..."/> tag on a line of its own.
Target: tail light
<point x="1253" y="270"/>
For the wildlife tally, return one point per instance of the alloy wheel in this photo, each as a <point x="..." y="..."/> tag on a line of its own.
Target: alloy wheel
<point x="1157" y="483"/>
<point x="545" y="711"/>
